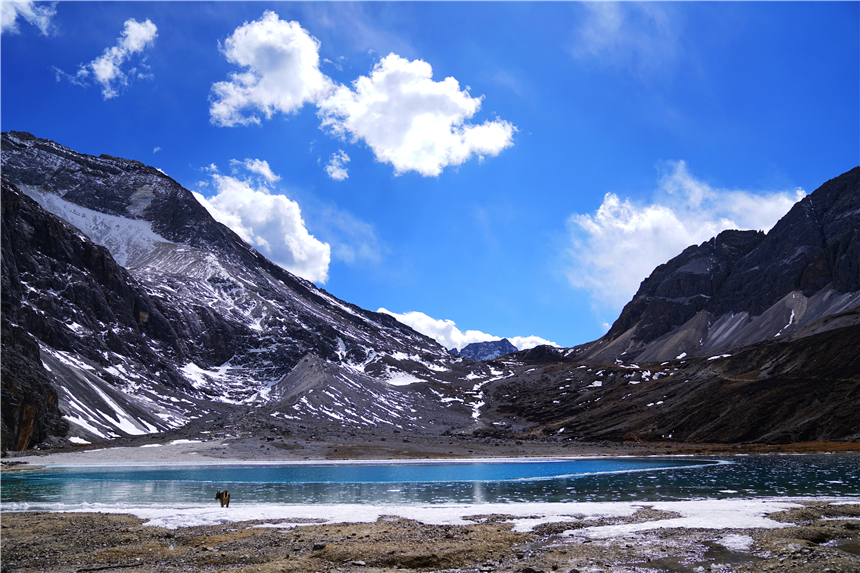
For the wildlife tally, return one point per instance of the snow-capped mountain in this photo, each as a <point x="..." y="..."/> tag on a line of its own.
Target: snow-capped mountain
<point x="128" y="310"/>
<point x="130" y="286"/>
<point x="486" y="350"/>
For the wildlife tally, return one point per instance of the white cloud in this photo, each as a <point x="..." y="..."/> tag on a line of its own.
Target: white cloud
<point x="617" y="247"/>
<point x="281" y="62"/>
<point x="446" y="333"/>
<point x="156" y="150"/>
<point x="38" y="15"/>
<point x="107" y="68"/>
<point x="411" y="121"/>
<point x="526" y="342"/>
<point x="335" y="167"/>
<point x="407" y="119"/>
<point x="269" y="221"/>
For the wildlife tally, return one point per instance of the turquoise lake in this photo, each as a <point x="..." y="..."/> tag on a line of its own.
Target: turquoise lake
<point x="595" y="480"/>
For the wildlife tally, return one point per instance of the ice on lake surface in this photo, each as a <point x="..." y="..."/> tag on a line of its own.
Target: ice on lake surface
<point x="534" y="481"/>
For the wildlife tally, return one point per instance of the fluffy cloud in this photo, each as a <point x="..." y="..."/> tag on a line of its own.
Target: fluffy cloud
<point x="270" y="222"/>
<point x="446" y="333"/>
<point x="411" y="121"/>
<point x="526" y="342"/>
<point x="37" y="15"/>
<point x="617" y="247"/>
<point x="107" y="68"/>
<point x="406" y="118"/>
<point x="281" y="62"/>
<point x="335" y="167"/>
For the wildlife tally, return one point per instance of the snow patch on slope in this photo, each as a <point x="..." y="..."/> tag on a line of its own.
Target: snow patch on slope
<point x="97" y="409"/>
<point x="127" y="239"/>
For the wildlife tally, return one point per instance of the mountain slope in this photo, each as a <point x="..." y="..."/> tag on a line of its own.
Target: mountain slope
<point x="60" y="288"/>
<point x="191" y="307"/>
<point x="777" y="391"/>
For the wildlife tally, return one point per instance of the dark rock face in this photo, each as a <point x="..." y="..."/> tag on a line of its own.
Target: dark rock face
<point x="30" y="409"/>
<point x="816" y="244"/>
<point x="679" y="289"/>
<point x="30" y="412"/>
<point x="486" y="350"/>
<point x="61" y="290"/>
<point x="55" y="280"/>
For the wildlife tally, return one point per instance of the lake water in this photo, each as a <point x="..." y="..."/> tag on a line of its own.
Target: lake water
<point x="544" y="481"/>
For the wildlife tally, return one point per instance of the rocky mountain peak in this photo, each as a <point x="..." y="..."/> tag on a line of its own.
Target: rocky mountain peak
<point x="708" y="297"/>
<point x="677" y="290"/>
<point x="816" y="245"/>
<point x="113" y="186"/>
<point x="486" y="350"/>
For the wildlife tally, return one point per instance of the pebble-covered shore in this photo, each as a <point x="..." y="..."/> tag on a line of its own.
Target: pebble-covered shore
<point x="822" y="537"/>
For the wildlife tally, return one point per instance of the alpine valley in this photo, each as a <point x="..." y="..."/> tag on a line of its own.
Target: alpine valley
<point x="127" y="310"/>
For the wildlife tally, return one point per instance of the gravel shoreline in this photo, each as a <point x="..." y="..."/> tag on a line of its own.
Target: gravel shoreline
<point x="821" y="537"/>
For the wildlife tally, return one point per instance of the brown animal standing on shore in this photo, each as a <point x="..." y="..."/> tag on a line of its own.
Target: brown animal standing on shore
<point x="223" y="497"/>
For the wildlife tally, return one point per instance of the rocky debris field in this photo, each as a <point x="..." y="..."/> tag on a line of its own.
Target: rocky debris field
<point x="822" y="537"/>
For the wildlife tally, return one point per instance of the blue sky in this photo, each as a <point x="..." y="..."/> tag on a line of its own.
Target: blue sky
<point x="481" y="169"/>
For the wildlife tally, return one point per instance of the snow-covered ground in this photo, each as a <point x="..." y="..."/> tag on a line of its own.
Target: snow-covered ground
<point x="700" y="514"/>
